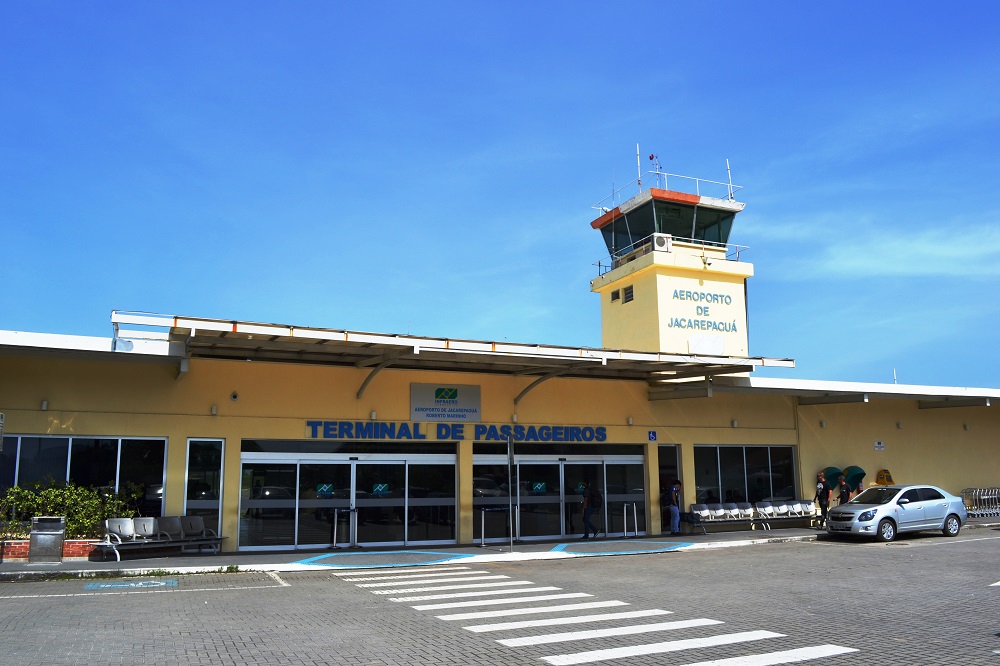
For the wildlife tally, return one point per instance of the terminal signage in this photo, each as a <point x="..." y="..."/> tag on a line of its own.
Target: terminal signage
<point x="445" y="402"/>
<point x="478" y="432"/>
<point x="705" y="308"/>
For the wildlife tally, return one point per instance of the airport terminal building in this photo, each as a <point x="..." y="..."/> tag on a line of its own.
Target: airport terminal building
<point x="293" y="437"/>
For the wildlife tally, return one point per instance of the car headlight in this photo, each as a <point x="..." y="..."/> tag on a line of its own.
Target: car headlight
<point x="866" y="516"/>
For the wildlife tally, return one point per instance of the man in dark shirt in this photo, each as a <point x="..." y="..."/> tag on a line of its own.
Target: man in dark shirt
<point x="674" y="506"/>
<point x="588" y="511"/>
<point x="824" y="493"/>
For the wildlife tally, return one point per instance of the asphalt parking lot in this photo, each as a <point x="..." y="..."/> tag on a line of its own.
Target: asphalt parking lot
<point x="924" y="599"/>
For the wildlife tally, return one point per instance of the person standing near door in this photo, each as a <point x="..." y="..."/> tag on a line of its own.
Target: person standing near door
<point x="674" y="506"/>
<point x="588" y="506"/>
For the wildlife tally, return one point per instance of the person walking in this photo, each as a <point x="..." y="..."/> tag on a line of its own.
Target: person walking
<point x="824" y="493"/>
<point x="589" y="505"/>
<point x="674" y="506"/>
<point x="844" y="491"/>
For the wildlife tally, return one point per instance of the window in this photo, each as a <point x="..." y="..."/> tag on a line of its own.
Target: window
<point x="42" y="460"/>
<point x="204" y="480"/>
<point x="744" y="473"/>
<point x="88" y="461"/>
<point x="927" y="494"/>
<point x="615" y="295"/>
<point x="627" y="298"/>
<point x="8" y="460"/>
<point x="93" y="462"/>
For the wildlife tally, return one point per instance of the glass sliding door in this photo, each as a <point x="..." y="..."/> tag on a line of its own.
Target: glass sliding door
<point x="296" y="502"/>
<point x="539" y="499"/>
<point x="267" y="507"/>
<point x="430" y="494"/>
<point x="323" y="488"/>
<point x="380" y="500"/>
<point x="626" y="498"/>
<point x="574" y="474"/>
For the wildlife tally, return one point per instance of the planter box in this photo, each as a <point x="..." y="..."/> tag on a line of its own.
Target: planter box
<point x="73" y="549"/>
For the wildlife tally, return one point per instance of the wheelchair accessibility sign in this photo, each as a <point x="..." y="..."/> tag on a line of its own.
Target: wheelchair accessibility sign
<point x="131" y="585"/>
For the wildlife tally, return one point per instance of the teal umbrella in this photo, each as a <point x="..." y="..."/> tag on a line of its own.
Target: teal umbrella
<point x="832" y="474"/>
<point x="854" y="475"/>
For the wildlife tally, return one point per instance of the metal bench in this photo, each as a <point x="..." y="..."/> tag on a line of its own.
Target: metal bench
<point x="147" y="533"/>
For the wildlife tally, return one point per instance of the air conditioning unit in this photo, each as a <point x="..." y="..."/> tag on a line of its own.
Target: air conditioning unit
<point x="662" y="242"/>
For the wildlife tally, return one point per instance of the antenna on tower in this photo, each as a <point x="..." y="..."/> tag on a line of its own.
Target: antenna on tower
<point x="656" y="169"/>
<point x="732" y="195"/>
<point x="638" y="166"/>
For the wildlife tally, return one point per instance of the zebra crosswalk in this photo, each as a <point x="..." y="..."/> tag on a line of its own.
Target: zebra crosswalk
<point x="482" y="596"/>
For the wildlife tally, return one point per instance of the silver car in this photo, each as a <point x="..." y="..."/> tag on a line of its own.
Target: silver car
<point x="884" y="511"/>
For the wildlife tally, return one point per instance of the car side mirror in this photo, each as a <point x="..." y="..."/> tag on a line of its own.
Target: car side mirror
<point x="902" y="501"/>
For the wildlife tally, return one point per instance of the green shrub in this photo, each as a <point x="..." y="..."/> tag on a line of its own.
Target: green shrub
<point x="85" y="508"/>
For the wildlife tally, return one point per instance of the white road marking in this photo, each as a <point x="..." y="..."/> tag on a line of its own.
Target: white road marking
<point x="657" y="648"/>
<point x="532" y="611"/>
<point x="501" y="602"/>
<point x="278" y="578"/>
<point x="439" y="574"/>
<point x="441" y="588"/>
<point x="604" y="633"/>
<point x="397" y="570"/>
<point x="556" y="621"/>
<point x="784" y="657"/>
<point x="432" y="581"/>
<point x="483" y="593"/>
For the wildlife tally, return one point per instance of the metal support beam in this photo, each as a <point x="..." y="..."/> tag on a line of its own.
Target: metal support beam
<point x="547" y="376"/>
<point x="842" y="398"/>
<point x="690" y="390"/>
<point x="371" y="375"/>
<point x="954" y="402"/>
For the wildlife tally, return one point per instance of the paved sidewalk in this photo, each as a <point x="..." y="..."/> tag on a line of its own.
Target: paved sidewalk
<point x="375" y="557"/>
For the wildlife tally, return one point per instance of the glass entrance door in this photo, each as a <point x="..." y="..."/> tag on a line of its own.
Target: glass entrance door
<point x="379" y="494"/>
<point x="574" y="474"/>
<point x="267" y="504"/>
<point x="292" y="504"/>
<point x="323" y="489"/>
<point x="539" y="497"/>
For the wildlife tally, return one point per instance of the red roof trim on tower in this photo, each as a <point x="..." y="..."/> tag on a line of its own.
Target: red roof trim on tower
<point x="607" y="217"/>
<point x="654" y="193"/>
<point x="677" y="197"/>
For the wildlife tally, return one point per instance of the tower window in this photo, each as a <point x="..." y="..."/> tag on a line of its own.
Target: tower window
<point x="627" y="298"/>
<point x="615" y="295"/>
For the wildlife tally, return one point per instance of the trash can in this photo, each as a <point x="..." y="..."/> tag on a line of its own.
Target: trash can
<point x="46" y="539"/>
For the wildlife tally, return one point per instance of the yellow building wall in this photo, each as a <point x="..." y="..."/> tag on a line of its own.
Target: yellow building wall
<point x="663" y="317"/>
<point x="954" y="448"/>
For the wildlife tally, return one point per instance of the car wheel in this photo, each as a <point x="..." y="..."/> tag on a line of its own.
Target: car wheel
<point x="952" y="525"/>
<point x="886" y="530"/>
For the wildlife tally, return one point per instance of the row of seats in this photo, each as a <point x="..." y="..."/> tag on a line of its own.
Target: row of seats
<point x="165" y="532"/>
<point x="759" y="513"/>
<point x="167" y="528"/>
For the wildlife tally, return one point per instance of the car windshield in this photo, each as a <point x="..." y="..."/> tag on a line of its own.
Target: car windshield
<point x="876" y="496"/>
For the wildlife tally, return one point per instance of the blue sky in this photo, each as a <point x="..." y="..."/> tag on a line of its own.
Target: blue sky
<point x="431" y="169"/>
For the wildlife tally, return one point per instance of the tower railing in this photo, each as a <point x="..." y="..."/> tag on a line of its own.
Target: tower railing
<point x="649" y="244"/>
<point x="666" y="181"/>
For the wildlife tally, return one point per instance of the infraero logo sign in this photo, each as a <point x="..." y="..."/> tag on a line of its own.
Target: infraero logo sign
<point x="455" y="402"/>
<point x="442" y="394"/>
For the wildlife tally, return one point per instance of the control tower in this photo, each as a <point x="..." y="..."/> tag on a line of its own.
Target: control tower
<point x="672" y="282"/>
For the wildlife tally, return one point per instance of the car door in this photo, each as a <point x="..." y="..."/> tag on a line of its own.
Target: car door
<point x="935" y="507"/>
<point x="910" y="511"/>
